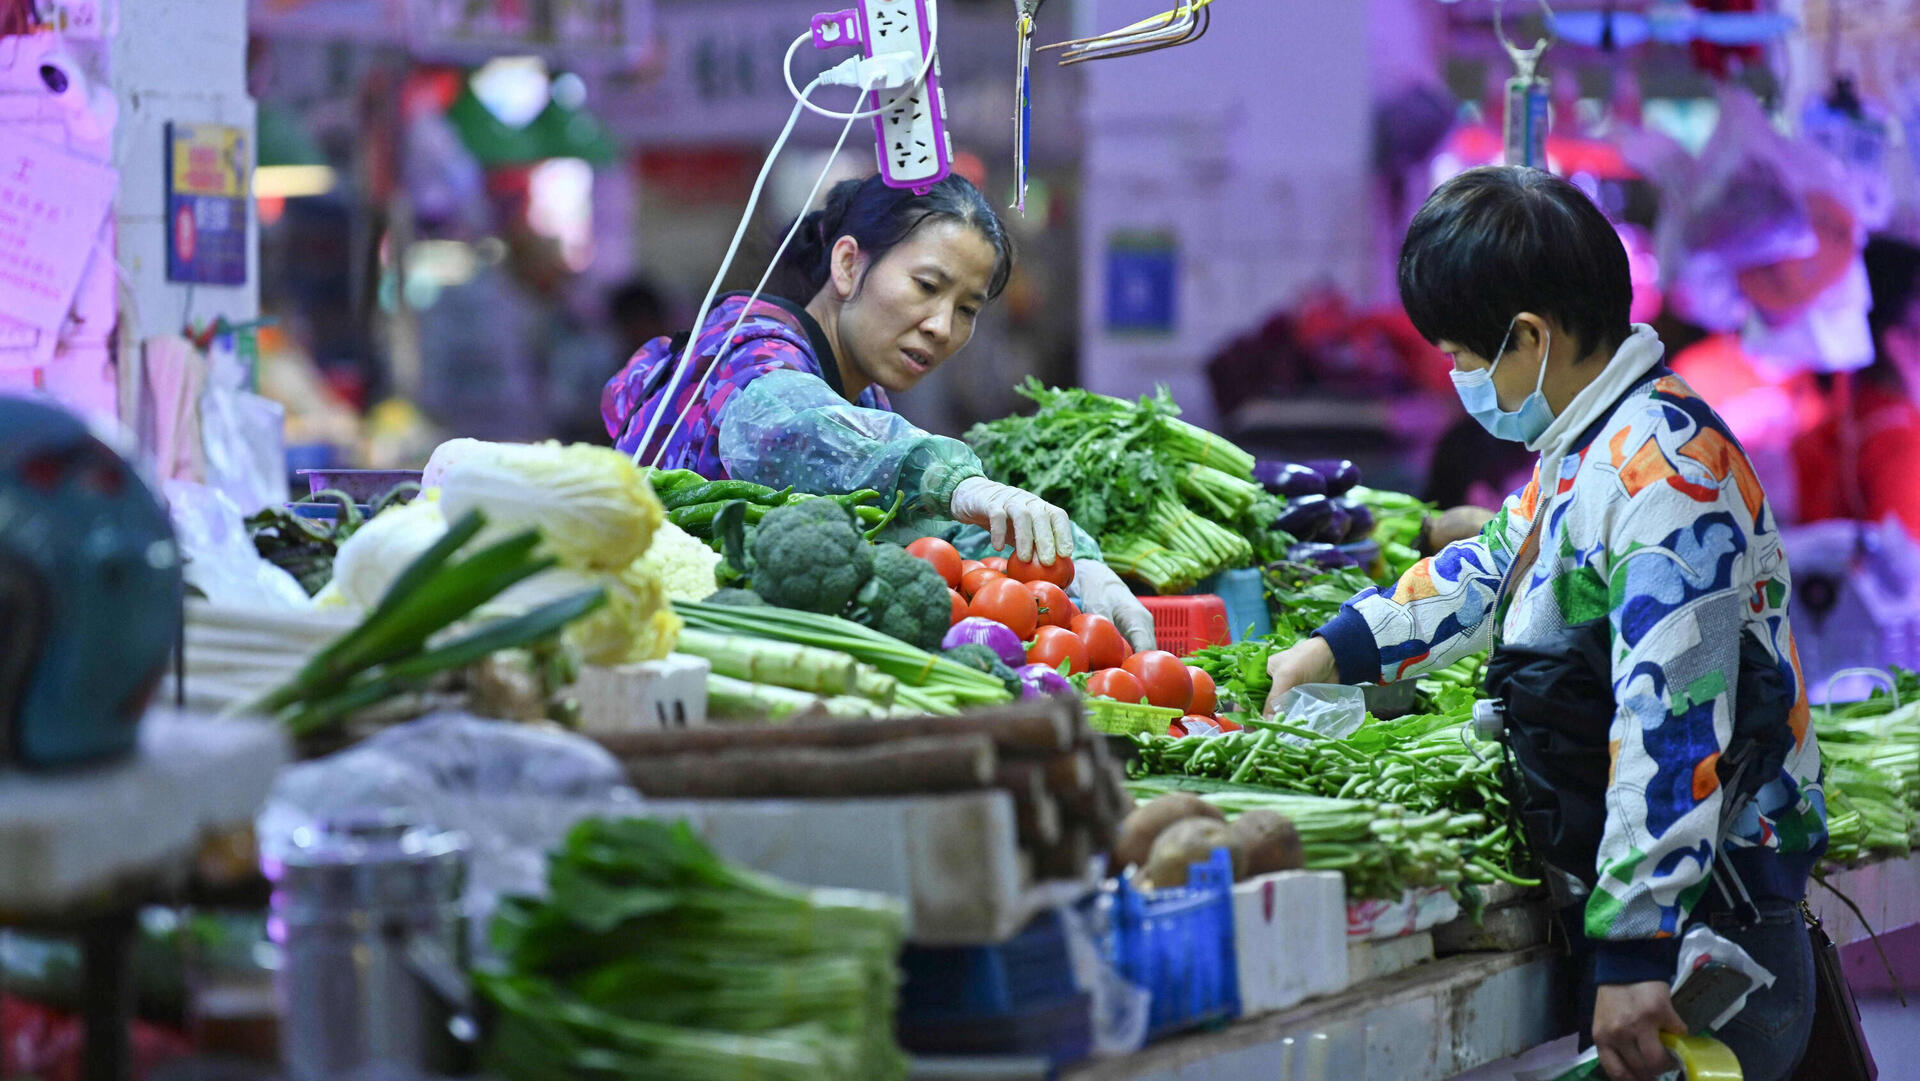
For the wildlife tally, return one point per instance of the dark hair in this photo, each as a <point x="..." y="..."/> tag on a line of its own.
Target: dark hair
<point x="1500" y="240"/>
<point x="879" y="217"/>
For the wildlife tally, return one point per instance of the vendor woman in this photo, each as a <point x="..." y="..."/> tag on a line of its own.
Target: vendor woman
<point x="878" y="288"/>
<point x="1636" y="597"/>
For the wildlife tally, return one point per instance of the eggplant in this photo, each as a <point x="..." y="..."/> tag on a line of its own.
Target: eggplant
<point x="1363" y="552"/>
<point x="1288" y="479"/>
<point x="1340" y="474"/>
<point x="1325" y="556"/>
<point x="1359" y="521"/>
<point x="1335" y="530"/>
<point x="1306" y="518"/>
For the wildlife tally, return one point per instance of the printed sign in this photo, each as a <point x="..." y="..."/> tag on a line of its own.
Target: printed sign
<point x="51" y="207"/>
<point x="207" y="169"/>
<point x="1142" y="275"/>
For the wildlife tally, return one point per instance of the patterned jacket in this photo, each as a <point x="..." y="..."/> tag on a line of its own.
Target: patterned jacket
<point x="1649" y="515"/>
<point x="776" y="336"/>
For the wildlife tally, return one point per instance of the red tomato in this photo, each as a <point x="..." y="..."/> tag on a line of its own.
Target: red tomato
<point x="1117" y="684"/>
<point x="959" y="606"/>
<point x="1055" y="609"/>
<point x="1004" y="600"/>
<point x="1060" y="574"/>
<point x="1227" y="725"/>
<point x="944" y="557"/>
<point x="1051" y="645"/>
<point x="1106" y="646"/>
<point x="1166" y="680"/>
<point x="971" y="581"/>
<point x="1205" y="698"/>
<point x="998" y="563"/>
<point x="968" y="565"/>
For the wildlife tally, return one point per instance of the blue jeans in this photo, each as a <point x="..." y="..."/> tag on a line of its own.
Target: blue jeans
<point x="1770" y="1034"/>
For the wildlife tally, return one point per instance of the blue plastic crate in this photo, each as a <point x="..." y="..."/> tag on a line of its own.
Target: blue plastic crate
<point x="1032" y="971"/>
<point x="1178" y="945"/>
<point x="1245" y="592"/>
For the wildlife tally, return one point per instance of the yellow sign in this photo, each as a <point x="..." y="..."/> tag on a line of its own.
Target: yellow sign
<point x="209" y="159"/>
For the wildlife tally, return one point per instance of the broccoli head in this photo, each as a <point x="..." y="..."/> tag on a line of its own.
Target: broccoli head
<point x="905" y="598"/>
<point x="810" y="555"/>
<point x="975" y="655"/>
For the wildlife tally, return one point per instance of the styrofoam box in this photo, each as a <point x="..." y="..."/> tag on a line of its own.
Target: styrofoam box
<point x="953" y="859"/>
<point x="669" y="693"/>
<point x="1290" y="930"/>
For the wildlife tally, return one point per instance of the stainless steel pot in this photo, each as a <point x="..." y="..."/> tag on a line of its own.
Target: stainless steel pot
<point x="366" y="913"/>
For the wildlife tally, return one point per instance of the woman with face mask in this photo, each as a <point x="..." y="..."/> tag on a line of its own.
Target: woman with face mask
<point x="879" y="287"/>
<point x="1635" y="596"/>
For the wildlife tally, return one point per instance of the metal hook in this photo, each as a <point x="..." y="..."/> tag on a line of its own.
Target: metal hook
<point x="1525" y="61"/>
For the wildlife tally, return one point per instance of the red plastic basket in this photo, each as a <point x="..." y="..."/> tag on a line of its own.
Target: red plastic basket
<point x="1184" y="624"/>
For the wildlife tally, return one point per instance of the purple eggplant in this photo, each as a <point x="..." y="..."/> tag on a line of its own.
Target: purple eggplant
<point x="1288" y="479"/>
<point x="1335" y="530"/>
<point x="1341" y="475"/>
<point x="1306" y="518"/>
<point x="1325" y="556"/>
<point x="1359" y="521"/>
<point x="1362" y="552"/>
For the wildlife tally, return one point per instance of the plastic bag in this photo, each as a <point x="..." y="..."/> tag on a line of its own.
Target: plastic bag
<point x="1120" y="1009"/>
<point x="1334" y="710"/>
<point x="512" y="789"/>
<point x="243" y="436"/>
<point x="220" y="560"/>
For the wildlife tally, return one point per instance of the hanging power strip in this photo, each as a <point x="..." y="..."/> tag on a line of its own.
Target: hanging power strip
<point x="914" y="148"/>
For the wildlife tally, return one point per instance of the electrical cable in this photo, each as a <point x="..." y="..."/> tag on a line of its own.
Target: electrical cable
<point x="801" y="102"/>
<point x="726" y="264"/>
<point x="772" y="264"/>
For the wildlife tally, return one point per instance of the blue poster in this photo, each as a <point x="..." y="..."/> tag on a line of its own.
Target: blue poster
<point x="207" y="170"/>
<point x="1142" y="282"/>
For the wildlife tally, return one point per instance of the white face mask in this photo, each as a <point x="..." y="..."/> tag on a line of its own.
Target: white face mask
<point x="1523" y="425"/>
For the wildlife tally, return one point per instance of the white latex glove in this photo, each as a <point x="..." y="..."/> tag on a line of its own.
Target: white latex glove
<point x="1038" y="531"/>
<point x="1104" y="594"/>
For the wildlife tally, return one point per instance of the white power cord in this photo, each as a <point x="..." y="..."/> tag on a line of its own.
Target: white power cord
<point x="865" y="73"/>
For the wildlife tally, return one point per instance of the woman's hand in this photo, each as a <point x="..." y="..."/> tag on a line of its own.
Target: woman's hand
<point x="1628" y="1019"/>
<point x="1310" y="661"/>
<point x="1038" y="530"/>
<point x="1104" y="594"/>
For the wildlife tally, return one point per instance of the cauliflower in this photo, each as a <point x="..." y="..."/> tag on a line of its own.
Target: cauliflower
<point x="683" y="563"/>
<point x="810" y="556"/>
<point x="593" y="506"/>
<point x="905" y="598"/>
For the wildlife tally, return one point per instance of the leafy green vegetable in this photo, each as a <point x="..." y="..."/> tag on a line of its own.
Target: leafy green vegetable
<point x="651" y="957"/>
<point x="1160" y="495"/>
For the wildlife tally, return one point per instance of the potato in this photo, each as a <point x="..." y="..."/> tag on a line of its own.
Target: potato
<point x="1180" y="846"/>
<point x="1138" y="830"/>
<point x="1263" y="842"/>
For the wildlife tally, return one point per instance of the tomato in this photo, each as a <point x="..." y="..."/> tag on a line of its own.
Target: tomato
<point x="1055" y="609"/>
<point x="1227" y="725"/>
<point x="1051" y="645"/>
<point x="1205" y="699"/>
<point x="1117" y="684"/>
<point x="1106" y="646"/>
<point x="1166" y="680"/>
<point x="944" y="557"/>
<point x="1004" y="600"/>
<point x="967" y="565"/>
<point x="998" y="563"/>
<point x="971" y="581"/>
<point x="1060" y="574"/>
<point x="959" y="606"/>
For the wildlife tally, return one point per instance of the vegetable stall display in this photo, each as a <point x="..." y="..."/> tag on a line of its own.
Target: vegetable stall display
<point x="1167" y="501"/>
<point x="652" y="957"/>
